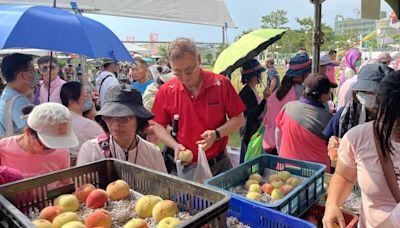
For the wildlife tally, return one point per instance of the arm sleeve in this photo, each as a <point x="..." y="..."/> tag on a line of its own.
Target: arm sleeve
<point x="161" y="115"/>
<point x="346" y="152"/>
<point x="332" y="129"/>
<point x="19" y="103"/>
<point x="395" y="215"/>
<point x="85" y="154"/>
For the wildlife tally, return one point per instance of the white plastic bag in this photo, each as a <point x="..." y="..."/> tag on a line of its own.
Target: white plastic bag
<point x="198" y="172"/>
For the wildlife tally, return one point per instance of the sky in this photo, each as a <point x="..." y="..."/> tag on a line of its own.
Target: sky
<point x="245" y="14"/>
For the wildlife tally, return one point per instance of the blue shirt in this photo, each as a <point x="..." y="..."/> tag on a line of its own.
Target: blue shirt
<point x="19" y="103"/>
<point x="332" y="129"/>
<point x="141" y="87"/>
<point x="273" y="73"/>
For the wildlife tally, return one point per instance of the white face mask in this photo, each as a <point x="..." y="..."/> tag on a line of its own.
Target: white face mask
<point x="367" y="100"/>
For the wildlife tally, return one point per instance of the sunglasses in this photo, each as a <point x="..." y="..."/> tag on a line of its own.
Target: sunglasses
<point x="45" y="69"/>
<point x="121" y="120"/>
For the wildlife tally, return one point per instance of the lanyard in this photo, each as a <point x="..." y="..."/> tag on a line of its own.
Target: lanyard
<point x="129" y="148"/>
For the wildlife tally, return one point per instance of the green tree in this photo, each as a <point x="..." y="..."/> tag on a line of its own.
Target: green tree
<point x="162" y="51"/>
<point x="220" y="49"/>
<point x="209" y="58"/>
<point x="276" y="19"/>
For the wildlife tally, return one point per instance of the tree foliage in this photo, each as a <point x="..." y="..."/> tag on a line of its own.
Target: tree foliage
<point x="276" y="19"/>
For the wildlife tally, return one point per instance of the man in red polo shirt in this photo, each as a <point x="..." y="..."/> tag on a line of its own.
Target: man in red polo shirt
<point x="209" y="108"/>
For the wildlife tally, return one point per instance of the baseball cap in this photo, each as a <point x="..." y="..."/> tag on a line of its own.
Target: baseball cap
<point x="52" y="122"/>
<point x="318" y="83"/>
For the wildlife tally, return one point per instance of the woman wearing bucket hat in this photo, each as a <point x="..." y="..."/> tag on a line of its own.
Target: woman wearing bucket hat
<point x="302" y="122"/>
<point x="251" y="76"/>
<point x="290" y="90"/>
<point x="361" y="109"/>
<point x="122" y="117"/>
<point x="43" y="147"/>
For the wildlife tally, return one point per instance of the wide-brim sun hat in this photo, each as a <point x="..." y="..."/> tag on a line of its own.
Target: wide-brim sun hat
<point x="52" y="123"/>
<point x="251" y="68"/>
<point x="123" y="100"/>
<point x="370" y="76"/>
<point x="299" y="65"/>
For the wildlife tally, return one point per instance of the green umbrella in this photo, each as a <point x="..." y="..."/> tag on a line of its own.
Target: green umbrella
<point x="247" y="47"/>
<point x="395" y="4"/>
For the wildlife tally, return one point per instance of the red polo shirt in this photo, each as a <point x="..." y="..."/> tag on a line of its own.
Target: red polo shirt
<point x="216" y="101"/>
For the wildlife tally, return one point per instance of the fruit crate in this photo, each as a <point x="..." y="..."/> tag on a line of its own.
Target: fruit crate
<point x="297" y="201"/>
<point x="317" y="210"/>
<point x="256" y="216"/>
<point x="18" y="199"/>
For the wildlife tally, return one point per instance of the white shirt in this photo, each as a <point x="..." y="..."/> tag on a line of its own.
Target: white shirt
<point x="85" y="129"/>
<point x="107" y="84"/>
<point x="145" y="154"/>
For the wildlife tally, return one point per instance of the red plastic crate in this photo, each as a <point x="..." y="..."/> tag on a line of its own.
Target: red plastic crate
<point x="318" y="210"/>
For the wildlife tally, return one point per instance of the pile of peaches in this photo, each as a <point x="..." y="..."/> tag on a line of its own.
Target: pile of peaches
<point x="65" y="212"/>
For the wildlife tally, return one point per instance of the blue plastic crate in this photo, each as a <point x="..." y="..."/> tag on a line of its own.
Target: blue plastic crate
<point x="297" y="201"/>
<point x="256" y="216"/>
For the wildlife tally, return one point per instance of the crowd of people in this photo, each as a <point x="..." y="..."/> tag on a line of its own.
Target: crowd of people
<point x="319" y="117"/>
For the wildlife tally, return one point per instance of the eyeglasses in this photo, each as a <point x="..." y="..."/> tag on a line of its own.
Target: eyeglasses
<point x="122" y="119"/>
<point x="45" y="69"/>
<point x="187" y="71"/>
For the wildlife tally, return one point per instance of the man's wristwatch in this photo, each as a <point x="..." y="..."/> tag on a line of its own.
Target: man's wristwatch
<point x="218" y="136"/>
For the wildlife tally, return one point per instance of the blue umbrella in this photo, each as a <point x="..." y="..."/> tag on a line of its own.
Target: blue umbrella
<point x="42" y="27"/>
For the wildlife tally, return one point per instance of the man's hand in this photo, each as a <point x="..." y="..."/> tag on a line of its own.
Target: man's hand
<point x="177" y="150"/>
<point x="209" y="137"/>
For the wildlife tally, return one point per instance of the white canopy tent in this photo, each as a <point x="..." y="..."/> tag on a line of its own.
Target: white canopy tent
<point x="206" y="12"/>
<point x="137" y="49"/>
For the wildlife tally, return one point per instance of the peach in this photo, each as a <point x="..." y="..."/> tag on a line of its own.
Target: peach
<point x="256" y="176"/>
<point x="255" y="188"/>
<point x="68" y="201"/>
<point x="97" y="199"/>
<point x="144" y="206"/>
<point x="64" y="218"/>
<point x="168" y="222"/>
<point x="99" y="218"/>
<point x="284" y="175"/>
<point x="74" y="224"/>
<point x="267" y="188"/>
<point x="286" y="189"/>
<point x="293" y="181"/>
<point x="250" y="182"/>
<point x="83" y="192"/>
<point x="253" y="196"/>
<point x="118" y="190"/>
<point x="273" y="177"/>
<point x="163" y="209"/>
<point x="42" y="223"/>
<point x="186" y="156"/>
<point x="50" y="212"/>
<point x="277" y="194"/>
<point x="136" y="223"/>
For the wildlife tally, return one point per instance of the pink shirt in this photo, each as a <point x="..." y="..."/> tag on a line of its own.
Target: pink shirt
<point x="274" y="106"/>
<point x="28" y="164"/>
<point x="357" y="150"/>
<point x="346" y="92"/>
<point x="55" y="88"/>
